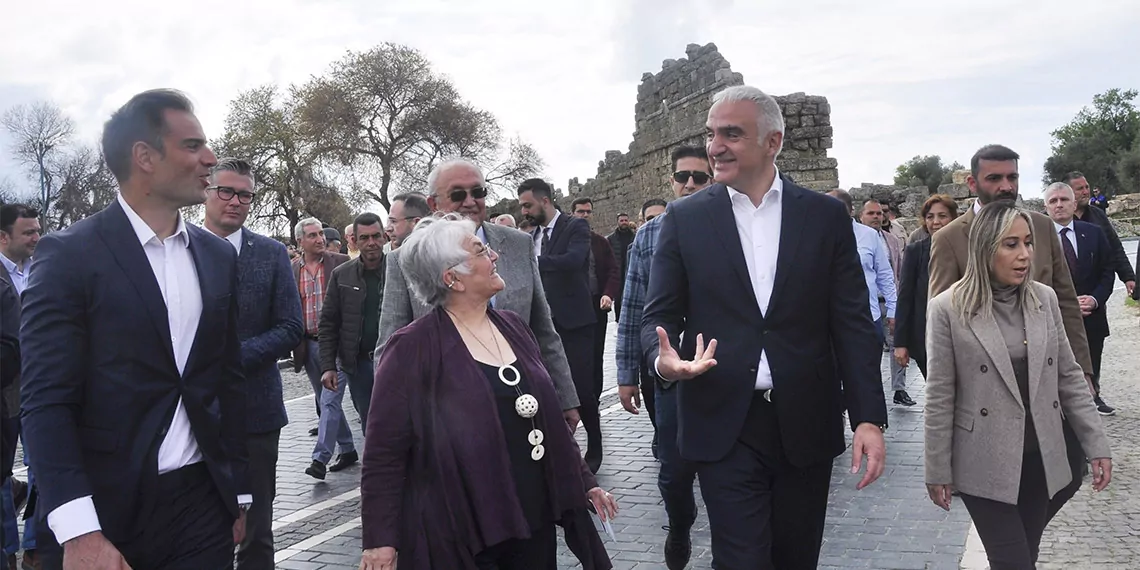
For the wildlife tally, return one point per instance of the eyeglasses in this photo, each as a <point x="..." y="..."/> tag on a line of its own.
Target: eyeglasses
<point x="459" y="196"/>
<point x="682" y="176"/>
<point x="483" y="251"/>
<point x="226" y="193"/>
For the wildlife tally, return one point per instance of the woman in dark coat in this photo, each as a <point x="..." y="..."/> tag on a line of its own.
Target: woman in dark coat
<point x="910" y="318"/>
<point x="468" y="464"/>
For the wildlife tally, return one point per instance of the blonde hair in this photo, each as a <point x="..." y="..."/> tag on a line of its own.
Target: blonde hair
<point x="973" y="293"/>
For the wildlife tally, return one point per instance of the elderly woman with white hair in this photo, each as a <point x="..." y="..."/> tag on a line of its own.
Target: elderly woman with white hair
<point x="468" y="463"/>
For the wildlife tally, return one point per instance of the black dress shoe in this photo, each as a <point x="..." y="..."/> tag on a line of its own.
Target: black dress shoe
<point x="317" y="470"/>
<point x="313" y="432"/>
<point x="902" y="398"/>
<point x="343" y="461"/>
<point x="678" y="548"/>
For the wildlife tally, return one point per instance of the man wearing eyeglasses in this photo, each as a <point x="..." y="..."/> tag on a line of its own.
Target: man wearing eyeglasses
<point x="406" y="211"/>
<point x="269" y="326"/>
<point x="458" y="186"/>
<point x="691" y="174"/>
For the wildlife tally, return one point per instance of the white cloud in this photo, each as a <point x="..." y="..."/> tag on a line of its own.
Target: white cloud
<point x="903" y="77"/>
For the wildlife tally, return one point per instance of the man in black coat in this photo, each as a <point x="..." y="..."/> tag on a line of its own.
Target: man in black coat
<point x="1093" y="215"/>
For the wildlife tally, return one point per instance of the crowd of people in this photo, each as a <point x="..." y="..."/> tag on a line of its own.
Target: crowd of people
<point x="140" y="357"/>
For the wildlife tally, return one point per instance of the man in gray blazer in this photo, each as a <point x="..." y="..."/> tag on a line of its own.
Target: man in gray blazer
<point x="458" y="186"/>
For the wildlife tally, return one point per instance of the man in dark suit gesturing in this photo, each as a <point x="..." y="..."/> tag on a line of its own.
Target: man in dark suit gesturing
<point x="133" y="392"/>
<point x="766" y="272"/>
<point x="562" y="245"/>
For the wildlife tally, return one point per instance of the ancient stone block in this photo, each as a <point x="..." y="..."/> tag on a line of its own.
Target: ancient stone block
<point x="959" y="176"/>
<point x="955" y="191"/>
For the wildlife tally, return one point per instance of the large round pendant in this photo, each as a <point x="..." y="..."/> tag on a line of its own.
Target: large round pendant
<point x="526" y="406"/>
<point x="535" y="437"/>
<point x="537" y="452"/>
<point x="503" y="375"/>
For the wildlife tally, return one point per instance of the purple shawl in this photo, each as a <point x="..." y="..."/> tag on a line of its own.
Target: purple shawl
<point x="436" y="481"/>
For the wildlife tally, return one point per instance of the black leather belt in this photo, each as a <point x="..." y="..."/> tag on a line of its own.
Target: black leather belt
<point x="311" y="336"/>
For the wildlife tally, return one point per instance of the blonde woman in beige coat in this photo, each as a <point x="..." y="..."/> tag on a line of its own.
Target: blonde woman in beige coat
<point x="1002" y="375"/>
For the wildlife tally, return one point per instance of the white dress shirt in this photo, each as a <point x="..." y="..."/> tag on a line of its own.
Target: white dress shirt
<point x="1071" y="235"/>
<point x="876" y="262"/>
<point x="547" y="229"/>
<point x="235" y="240"/>
<point x="19" y="274"/>
<point x="177" y="277"/>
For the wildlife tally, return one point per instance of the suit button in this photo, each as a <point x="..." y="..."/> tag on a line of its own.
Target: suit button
<point x="985" y="412"/>
<point x="1056" y="404"/>
<point x="1050" y="362"/>
<point x="985" y="368"/>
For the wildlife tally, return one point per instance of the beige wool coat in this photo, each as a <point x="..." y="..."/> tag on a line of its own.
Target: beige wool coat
<point x="975" y="418"/>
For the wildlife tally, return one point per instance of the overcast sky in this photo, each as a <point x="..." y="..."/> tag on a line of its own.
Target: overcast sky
<point x="903" y="78"/>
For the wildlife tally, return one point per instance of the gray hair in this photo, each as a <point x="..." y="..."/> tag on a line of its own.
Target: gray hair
<point x="771" y="118"/>
<point x="973" y="293"/>
<point x="434" y="246"/>
<point x="449" y="163"/>
<point x="235" y="165"/>
<point x="1059" y="187"/>
<point x="299" y="229"/>
<point x="507" y="217"/>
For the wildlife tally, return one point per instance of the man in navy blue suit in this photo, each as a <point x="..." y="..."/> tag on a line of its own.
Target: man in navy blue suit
<point x="1091" y="261"/>
<point x="562" y="245"/>
<point x="133" y="393"/>
<point x="269" y="326"/>
<point x="766" y="273"/>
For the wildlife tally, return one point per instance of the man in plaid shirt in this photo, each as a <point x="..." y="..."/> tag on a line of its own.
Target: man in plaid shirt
<point x="691" y="174"/>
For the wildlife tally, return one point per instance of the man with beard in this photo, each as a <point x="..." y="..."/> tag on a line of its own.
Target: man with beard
<point x="269" y="327"/>
<point x="1095" y="215"/>
<point x="994" y="176"/>
<point x="349" y="327"/>
<point x="458" y="185"/>
<point x="604" y="282"/>
<point x="620" y="240"/>
<point x="691" y="174"/>
<point x="562" y="246"/>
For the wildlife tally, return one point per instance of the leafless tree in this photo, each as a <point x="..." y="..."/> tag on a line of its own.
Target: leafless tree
<point x="39" y="131"/>
<point x="82" y="184"/>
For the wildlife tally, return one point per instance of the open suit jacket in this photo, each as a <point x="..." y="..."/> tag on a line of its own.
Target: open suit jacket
<point x="817" y="333"/>
<point x="99" y="381"/>
<point x="269" y="326"/>
<point x="523" y="295"/>
<point x="975" y="417"/>
<point x="949" y="250"/>
<point x="1095" y="265"/>
<point x="910" y="318"/>
<point x="565" y="269"/>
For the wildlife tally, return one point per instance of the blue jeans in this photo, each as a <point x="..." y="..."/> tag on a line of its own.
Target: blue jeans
<point x="360" y="388"/>
<point x="332" y="430"/>
<point x="676" y="475"/>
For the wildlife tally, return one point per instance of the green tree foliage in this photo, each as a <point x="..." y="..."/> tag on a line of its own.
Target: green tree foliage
<point x="1101" y="141"/>
<point x="926" y="171"/>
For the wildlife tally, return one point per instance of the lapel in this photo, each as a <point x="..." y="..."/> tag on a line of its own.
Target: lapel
<point x="1036" y="334"/>
<point x="246" y="248"/>
<point x="124" y="246"/>
<point x="1085" y="253"/>
<point x="557" y="231"/>
<point x="793" y="218"/>
<point x="212" y="288"/>
<point x="724" y="226"/>
<point x="988" y="334"/>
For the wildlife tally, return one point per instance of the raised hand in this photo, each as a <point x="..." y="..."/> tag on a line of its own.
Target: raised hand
<point x="671" y="367"/>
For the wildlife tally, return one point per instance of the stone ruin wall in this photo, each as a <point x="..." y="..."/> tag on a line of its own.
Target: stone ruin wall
<point x="671" y="110"/>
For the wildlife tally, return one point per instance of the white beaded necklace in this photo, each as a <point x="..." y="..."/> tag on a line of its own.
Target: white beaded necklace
<point x="526" y="405"/>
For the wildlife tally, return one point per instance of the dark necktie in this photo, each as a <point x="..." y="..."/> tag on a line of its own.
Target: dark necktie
<point x="545" y="239"/>
<point x="1070" y="253"/>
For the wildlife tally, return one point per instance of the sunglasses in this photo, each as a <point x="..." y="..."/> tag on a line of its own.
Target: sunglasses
<point x="226" y="193"/>
<point x="459" y="196"/>
<point x="682" y="176"/>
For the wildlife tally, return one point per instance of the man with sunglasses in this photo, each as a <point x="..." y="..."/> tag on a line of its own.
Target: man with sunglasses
<point x="269" y="326"/>
<point x="457" y="185"/>
<point x="691" y="174"/>
<point x="406" y="211"/>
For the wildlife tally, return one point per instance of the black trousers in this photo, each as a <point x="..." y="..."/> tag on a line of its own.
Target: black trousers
<point x="256" y="551"/>
<point x="579" y="346"/>
<point x="190" y="528"/>
<point x="649" y="395"/>
<point x="1012" y="533"/>
<point x="539" y="552"/>
<point x="600" y="329"/>
<point x="764" y="512"/>
<point x="1096" y="350"/>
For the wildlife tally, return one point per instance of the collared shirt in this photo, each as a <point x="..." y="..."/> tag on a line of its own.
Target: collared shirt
<point x="19" y="275"/>
<point x="173" y="267"/>
<point x="235" y="240"/>
<point x="640" y="258"/>
<point x="312" y="296"/>
<point x="876" y="269"/>
<point x="1071" y="235"/>
<point x="548" y="229"/>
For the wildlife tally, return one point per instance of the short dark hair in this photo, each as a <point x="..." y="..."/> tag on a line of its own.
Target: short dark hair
<point x="620" y="214"/>
<point x="871" y="200"/>
<point x="843" y="196"/>
<point x="143" y="118"/>
<point x="653" y="202"/>
<point x="575" y="203"/>
<point x="235" y="165"/>
<point x="1071" y="176"/>
<point x="415" y="205"/>
<point x="686" y="151"/>
<point x="538" y="187"/>
<point x="995" y="152"/>
<point x="365" y="219"/>
<point x="9" y="213"/>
